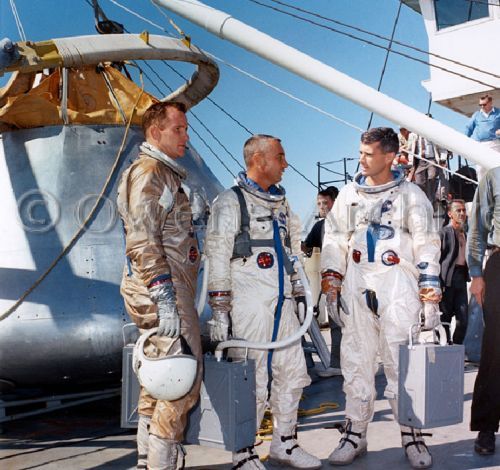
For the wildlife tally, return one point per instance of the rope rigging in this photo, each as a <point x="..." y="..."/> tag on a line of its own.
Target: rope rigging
<point x="283" y="92"/>
<point x="379" y="36"/>
<point x="329" y="28"/>
<point x="258" y="80"/>
<point x="273" y="87"/>
<point x="192" y="113"/>
<point x="137" y="15"/>
<point x="386" y="59"/>
<point x="17" y="19"/>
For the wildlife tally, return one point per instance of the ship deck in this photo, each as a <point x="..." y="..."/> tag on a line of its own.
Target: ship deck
<point x="90" y="437"/>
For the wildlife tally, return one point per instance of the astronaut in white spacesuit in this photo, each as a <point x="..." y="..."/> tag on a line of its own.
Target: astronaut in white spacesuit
<point x="381" y="255"/>
<point x="252" y="287"/>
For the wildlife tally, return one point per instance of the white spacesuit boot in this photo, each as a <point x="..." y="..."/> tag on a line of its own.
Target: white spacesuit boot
<point x="352" y="444"/>
<point x="162" y="453"/>
<point x="143" y="442"/>
<point x="285" y="449"/>
<point x="415" y="448"/>
<point x="413" y="442"/>
<point x="247" y="459"/>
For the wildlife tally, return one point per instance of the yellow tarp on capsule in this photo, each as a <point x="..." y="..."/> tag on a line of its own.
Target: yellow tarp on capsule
<point x="89" y="99"/>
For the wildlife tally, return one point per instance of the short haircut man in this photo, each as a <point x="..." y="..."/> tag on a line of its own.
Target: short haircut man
<point x="484" y="126"/>
<point x="366" y="242"/>
<point x="157" y="113"/>
<point x="384" y="136"/>
<point x="256" y="144"/>
<point x="244" y="279"/>
<point x="160" y="279"/>
<point x="454" y="271"/>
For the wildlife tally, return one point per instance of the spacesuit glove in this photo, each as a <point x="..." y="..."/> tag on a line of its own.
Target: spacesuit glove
<point x="333" y="310"/>
<point x="331" y="283"/>
<point x="430" y="316"/>
<point x="163" y="295"/>
<point x="219" y="325"/>
<point x="220" y="303"/>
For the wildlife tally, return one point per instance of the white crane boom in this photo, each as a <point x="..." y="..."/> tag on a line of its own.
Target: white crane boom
<point x="237" y="32"/>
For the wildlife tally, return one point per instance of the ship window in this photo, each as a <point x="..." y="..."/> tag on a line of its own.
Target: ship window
<point x="453" y="12"/>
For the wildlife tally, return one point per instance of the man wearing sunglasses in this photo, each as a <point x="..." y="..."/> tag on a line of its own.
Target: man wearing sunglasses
<point x="484" y="126"/>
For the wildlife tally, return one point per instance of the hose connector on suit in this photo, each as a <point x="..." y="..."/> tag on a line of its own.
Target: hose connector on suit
<point x="239" y="343"/>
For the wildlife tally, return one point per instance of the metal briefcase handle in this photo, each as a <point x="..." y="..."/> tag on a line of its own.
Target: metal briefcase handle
<point x="438" y="329"/>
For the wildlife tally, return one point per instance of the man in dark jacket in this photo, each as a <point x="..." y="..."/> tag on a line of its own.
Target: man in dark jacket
<point x="484" y="233"/>
<point x="454" y="271"/>
<point x="324" y="201"/>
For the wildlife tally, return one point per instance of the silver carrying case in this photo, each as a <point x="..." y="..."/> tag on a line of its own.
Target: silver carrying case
<point x="225" y="416"/>
<point x="431" y="381"/>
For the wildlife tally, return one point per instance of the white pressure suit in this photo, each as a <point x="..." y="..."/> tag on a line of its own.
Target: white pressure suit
<point x="252" y="284"/>
<point x="382" y="241"/>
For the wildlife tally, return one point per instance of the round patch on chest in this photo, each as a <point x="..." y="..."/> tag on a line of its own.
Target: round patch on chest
<point x="390" y="258"/>
<point x="265" y="260"/>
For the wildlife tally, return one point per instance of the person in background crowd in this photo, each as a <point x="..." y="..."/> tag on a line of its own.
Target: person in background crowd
<point x="403" y="158"/>
<point x="484" y="126"/>
<point x="484" y="233"/>
<point x="325" y="200"/>
<point x="454" y="271"/>
<point x="426" y="171"/>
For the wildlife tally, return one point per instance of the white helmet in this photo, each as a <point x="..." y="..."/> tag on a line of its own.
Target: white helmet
<point x="165" y="378"/>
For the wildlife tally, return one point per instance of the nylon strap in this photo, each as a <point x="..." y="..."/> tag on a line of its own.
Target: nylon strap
<point x="245" y="218"/>
<point x="278" y="246"/>
<point x="263" y="242"/>
<point x="244" y="461"/>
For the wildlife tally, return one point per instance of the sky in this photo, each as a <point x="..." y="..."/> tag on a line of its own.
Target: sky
<point x="307" y="135"/>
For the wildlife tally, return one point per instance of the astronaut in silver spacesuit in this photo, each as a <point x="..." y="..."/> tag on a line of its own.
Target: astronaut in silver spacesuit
<point x="380" y="262"/>
<point x="252" y="287"/>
